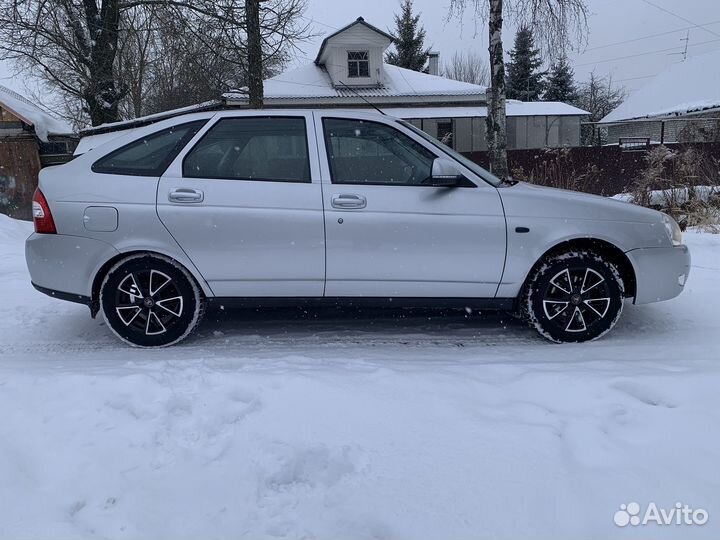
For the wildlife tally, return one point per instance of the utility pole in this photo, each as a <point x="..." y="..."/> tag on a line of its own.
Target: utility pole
<point x="255" y="59"/>
<point x="686" y="40"/>
<point x="683" y="53"/>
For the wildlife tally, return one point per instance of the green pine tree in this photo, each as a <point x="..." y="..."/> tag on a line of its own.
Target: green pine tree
<point x="410" y="51"/>
<point x="524" y="81"/>
<point x="560" y="82"/>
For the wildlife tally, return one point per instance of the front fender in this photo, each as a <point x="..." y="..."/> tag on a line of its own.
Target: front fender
<point x="524" y="249"/>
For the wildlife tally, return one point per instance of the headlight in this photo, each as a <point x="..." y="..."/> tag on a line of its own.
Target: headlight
<point x="673" y="230"/>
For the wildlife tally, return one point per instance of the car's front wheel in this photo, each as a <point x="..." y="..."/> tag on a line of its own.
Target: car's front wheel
<point x="149" y="300"/>
<point x="573" y="297"/>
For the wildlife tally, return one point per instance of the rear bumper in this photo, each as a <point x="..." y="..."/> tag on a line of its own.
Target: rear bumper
<point x="65" y="263"/>
<point x="661" y="272"/>
<point x="76" y="298"/>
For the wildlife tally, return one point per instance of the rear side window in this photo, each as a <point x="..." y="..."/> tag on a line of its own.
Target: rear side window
<point x="151" y="155"/>
<point x="270" y="149"/>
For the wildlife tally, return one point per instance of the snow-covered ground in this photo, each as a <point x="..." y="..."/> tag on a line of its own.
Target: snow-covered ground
<point x="336" y="425"/>
<point x="679" y="195"/>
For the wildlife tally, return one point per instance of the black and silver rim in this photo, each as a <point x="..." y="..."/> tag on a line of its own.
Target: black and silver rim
<point x="576" y="299"/>
<point x="149" y="302"/>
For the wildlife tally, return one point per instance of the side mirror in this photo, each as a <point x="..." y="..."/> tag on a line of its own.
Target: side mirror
<point x="445" y="173"/>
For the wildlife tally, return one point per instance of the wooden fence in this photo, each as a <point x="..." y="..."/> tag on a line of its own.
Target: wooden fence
<point x="602" y="170"/>
<point x="19" y="169"/>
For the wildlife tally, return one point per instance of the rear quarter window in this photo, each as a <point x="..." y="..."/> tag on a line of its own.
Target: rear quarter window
<point x="151" y="155"/>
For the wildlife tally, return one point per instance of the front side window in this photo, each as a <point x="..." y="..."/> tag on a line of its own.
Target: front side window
<point x="253" y="148"/>
<point x="362" y="152"/>
<point x="474" y="167"/>
<point x="358" y="64"/>
<point x="151" y="155"/>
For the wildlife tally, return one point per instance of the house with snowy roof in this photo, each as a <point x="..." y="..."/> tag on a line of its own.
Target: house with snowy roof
<point x="349" y="71"/>
<point x="30" y="138"/>
<point x="680" y="104"/>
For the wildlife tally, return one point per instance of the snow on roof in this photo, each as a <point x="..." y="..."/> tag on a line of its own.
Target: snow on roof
<point x="434" y="112"/>
<point x="514" y="108"/>
<point x="312" y="81"/>
<point x="686" y="87"/>
<point x="32" y="115"/>
<point x="543" y="108"/>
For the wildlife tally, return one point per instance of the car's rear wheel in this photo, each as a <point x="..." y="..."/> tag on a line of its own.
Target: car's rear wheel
<point x="573" y="297"/>
<point x="149" y="300"/>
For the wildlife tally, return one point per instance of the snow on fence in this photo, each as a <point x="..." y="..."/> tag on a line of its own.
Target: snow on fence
<point x="697" y="128"/>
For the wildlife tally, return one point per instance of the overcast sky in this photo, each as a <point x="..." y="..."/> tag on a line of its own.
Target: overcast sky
<point x="611" y="21"/>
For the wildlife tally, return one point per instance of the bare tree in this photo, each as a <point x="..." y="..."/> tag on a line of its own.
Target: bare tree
<point x="467" y="67"/>
<point x="255" y="68"/>
<point x="136" y="53"/>
<point x="599" y="95"/>
<point x="556" y="24"/>
<point x="99" y="52"/>
<point x="184" y="70"/>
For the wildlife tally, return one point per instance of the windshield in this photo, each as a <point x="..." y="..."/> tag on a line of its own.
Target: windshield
<point x="474" y="167"/>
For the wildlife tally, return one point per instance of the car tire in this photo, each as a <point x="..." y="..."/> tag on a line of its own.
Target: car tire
<point x="573" y="297"/>
<point x="149" y="300"/>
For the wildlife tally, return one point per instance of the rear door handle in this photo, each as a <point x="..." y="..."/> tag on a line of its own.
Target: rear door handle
<point x="186" y="195"/>
<point x="348" y="200"/>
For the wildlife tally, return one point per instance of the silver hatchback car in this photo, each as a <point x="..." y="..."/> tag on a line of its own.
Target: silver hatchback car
<point x="289" y="206"/>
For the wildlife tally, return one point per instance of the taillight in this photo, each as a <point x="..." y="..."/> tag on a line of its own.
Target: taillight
<point x="44" y="223"/>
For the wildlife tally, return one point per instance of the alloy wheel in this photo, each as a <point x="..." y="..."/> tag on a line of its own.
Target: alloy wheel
<point x="576" y="299"/>
<point x="149" y="302"/>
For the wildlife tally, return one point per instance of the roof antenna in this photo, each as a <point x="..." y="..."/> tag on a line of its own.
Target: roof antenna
<point x="361" y="97"/>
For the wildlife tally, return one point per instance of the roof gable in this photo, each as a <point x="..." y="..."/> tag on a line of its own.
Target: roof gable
<point x="357" y="22"/>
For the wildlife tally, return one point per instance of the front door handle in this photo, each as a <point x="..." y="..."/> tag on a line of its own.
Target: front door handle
<point x="348" y="200"/>
<point x="186" y="195"/>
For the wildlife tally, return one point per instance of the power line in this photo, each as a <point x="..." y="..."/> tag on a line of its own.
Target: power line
<point x="637" y="78"/>
<point x="310" y="19"/>
<point x="660" y="34"/>
<point x="647" y="53"/>
<point x="695" y="25"/>
<point x="627" y="56"/>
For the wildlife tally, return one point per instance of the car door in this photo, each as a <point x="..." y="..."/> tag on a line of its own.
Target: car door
<point x="388" y="234"/>
<point x="244" y="201"/>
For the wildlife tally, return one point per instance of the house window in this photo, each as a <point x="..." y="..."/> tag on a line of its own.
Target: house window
<point x="445" y="132"/>
<point x="358" y="64"/>
<point x="54" y="147"/>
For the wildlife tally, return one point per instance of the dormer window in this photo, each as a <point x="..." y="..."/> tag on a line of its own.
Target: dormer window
<point x="358" y="64"/>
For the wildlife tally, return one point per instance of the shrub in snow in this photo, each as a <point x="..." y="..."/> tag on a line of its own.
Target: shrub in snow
<point x="556" y="169"/>
<point x="683" y="183"/>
